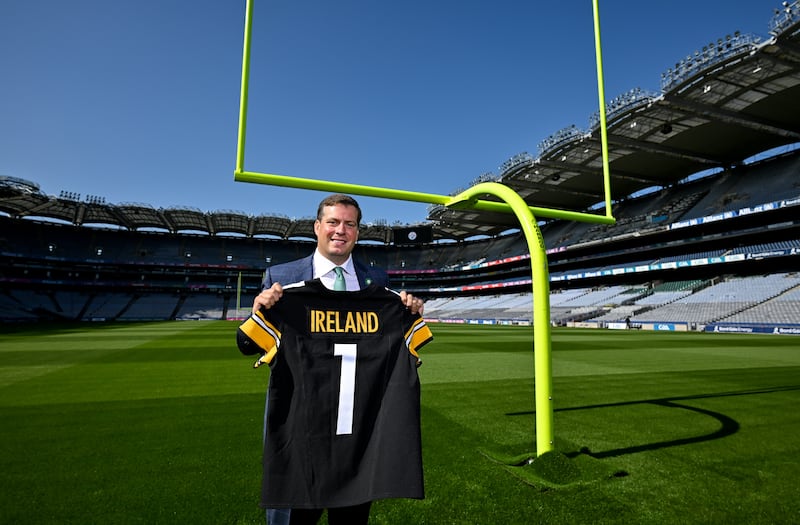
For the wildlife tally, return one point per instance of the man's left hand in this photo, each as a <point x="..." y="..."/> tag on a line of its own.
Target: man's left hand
<point x="415" y="304"/>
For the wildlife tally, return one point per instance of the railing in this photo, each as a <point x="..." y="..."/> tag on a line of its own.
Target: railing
<point x="710" y="54"/>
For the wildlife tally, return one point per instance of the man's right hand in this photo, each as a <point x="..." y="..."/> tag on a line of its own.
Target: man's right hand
<point x="267" y="298"/>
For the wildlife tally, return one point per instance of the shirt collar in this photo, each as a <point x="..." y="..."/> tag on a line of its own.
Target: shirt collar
<point x="323" y="265"/>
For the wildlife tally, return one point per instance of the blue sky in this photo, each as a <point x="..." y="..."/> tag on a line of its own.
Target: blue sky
<point x="137" y="100"/>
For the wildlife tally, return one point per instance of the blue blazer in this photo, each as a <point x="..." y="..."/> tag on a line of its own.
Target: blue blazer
<point x="303" y="270"/>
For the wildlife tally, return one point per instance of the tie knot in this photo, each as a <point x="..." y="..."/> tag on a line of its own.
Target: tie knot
<point x="339" y="283"/>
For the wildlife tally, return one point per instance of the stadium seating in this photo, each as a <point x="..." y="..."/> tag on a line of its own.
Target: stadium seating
<point x="56" y="271"/>
<point x="721" y="300"/>
<point x="782" y="309"/>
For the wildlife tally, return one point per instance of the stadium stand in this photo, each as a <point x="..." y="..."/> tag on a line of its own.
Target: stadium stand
<point x="72" y="272"/>
<point x="783" y="309"/>
<point x="106" y="306"/>
<point x="721" y="300"/>
<point x="706" y="202"/>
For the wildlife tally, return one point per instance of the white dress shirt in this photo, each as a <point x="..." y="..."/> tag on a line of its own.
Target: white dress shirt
<point x="323" y="270"/>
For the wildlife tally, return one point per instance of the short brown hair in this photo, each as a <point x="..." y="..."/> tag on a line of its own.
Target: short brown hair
<point x="338" y="198"/>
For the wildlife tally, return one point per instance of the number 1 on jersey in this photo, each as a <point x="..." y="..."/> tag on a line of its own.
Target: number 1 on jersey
<point x="347" y="387"/>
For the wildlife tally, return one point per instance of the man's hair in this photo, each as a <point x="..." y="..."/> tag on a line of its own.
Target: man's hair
<point x="338" y="198"/>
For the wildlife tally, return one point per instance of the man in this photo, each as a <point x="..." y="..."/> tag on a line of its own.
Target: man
<point x="336" y="229"/>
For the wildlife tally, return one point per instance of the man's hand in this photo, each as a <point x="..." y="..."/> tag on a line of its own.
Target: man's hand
<point x="267" y="298"/>
<point x="415" y="304"/>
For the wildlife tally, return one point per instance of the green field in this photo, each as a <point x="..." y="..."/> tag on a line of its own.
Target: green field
<point x="161" y="423"/>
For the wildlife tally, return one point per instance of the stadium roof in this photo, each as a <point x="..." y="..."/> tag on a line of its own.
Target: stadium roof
<point x="734" y="99"/>
<point x="22" y="198"/>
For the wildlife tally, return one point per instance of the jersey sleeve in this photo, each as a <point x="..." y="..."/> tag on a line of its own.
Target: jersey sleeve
<point x="417" y="335"/>
<point x="257" y="335"/>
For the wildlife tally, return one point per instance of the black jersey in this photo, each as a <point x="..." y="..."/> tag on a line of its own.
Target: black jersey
<point x="343" y="403"/>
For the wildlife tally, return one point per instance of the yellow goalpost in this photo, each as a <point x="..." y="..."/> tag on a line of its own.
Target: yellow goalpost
<point x="469" y="199"/>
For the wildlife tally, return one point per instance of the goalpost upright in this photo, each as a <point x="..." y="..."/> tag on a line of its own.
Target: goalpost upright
<point x="469" y="199"/>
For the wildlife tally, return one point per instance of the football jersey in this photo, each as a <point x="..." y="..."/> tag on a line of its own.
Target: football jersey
<point x="342" y="424"/>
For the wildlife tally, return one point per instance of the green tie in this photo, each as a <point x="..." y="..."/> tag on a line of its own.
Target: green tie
<point x="338" y="283"/>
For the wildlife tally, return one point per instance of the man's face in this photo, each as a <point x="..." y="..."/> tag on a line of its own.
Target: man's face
<point x="337" y="232"/>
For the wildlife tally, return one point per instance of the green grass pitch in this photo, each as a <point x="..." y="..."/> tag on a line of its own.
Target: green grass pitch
<point x="161" y="423"/>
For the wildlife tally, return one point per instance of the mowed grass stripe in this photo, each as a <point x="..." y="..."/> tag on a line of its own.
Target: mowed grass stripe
<point x="170" y="360"/>
<point x="67" y="338"/>
<point x="506" y="352"/>
<point x="29" y="351"/>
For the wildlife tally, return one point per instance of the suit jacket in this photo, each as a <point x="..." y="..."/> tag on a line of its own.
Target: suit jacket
<point x="303" y="270"/>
